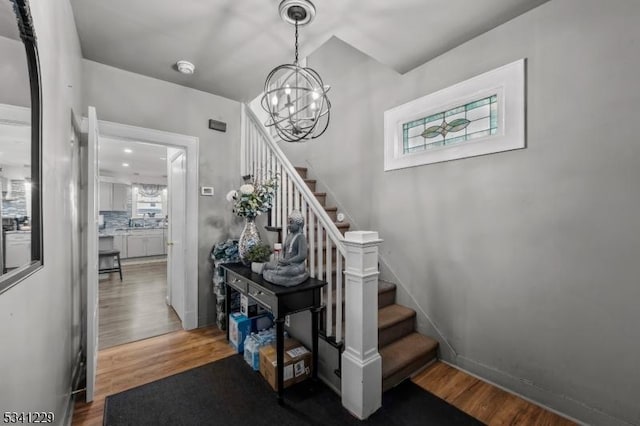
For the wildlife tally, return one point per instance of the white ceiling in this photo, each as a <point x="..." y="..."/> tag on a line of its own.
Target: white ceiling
<point x="235" y="43"/>
<point x="147" y="162"/>
<point x="8" y="25"/>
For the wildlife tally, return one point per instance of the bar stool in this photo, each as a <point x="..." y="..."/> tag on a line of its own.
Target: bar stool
<point x="115" y="257"/>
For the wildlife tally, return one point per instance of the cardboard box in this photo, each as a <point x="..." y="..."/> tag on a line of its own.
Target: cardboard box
<point x="297" y="363"/>
<point x="249" y="307"/>
<point x="240" y="327"/>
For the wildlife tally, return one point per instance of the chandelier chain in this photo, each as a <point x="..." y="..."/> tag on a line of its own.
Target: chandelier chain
<point x="296" y="61"/>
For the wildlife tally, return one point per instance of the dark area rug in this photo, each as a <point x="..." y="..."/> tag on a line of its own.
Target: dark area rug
<point x="229" y="393"/>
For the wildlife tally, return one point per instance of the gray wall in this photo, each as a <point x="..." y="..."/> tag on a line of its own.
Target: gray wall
<point x="129" y="98"/>
<point x="14" y="76"/>
<point x="526" y="261"/>
<point x="39" y="317"/>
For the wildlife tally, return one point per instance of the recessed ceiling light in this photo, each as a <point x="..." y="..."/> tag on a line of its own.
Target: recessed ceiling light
<point x="125" y="164"/>
<point x="128" y="150"/>
<point x="185" y="67"/>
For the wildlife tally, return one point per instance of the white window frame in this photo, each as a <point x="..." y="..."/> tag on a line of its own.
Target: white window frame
<point x="507" y="82"/>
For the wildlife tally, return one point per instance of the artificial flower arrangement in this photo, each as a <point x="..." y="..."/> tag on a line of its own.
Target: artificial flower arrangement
<point x="254" y="197"/>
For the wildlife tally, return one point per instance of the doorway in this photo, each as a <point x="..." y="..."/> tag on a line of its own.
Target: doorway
<point x="135" y="196"/>
<point x="181" y="242"/>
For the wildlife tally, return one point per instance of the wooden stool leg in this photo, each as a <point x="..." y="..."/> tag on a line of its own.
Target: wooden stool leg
<point x="119" y="266"/>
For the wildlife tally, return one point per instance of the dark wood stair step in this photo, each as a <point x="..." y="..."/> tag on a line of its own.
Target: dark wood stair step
<point x="332" y="212"/>
<point x="394" y="322"/>
<point x="311" y="183"/>
<point x="321" y="197"/>
<point x="386" y="290"/>
<point x="386" y="293"/>
<point x="302" y="171"/>
<point x="405" y="357"/>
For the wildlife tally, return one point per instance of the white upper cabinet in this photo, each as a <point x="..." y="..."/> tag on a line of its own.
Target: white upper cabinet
<point x="114" y="196"/>
<point x="120" y="196"/>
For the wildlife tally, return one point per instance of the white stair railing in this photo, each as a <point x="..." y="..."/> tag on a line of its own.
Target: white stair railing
<point x="260" y="156"/>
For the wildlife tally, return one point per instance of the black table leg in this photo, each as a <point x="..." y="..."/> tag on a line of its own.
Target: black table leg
<point x="227" y="305"/>
<point x="315" y="313"/>
<point x="280" y="357"/>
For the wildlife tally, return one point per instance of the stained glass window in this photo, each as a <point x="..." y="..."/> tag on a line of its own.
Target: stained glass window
<point x="463" y="123"/>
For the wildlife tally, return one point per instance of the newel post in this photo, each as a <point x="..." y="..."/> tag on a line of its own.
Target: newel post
<point x="361" y="362"/>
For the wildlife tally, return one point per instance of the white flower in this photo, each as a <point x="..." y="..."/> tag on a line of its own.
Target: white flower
<point x="247" y="188"/>
<point x="231" y="195"/>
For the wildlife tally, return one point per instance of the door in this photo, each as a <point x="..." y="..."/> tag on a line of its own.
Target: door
<point x="92" y="253"/>
<point x="176" y="188"/>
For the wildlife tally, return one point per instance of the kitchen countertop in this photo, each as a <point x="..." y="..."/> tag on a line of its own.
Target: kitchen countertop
<point x="112" y="232"/>
<point x="18" y="232"/>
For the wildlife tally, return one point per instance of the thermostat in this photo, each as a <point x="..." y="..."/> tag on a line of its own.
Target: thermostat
<point x="206" y="190"/>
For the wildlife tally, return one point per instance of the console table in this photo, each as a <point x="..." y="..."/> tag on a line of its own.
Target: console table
<point x="280" y="301"/>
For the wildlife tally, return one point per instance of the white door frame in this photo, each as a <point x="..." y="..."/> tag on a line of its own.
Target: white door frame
<point x="92" y="309"/>
<point x="190" y="145"/>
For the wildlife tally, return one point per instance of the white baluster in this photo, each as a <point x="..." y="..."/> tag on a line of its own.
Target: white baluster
<point x="339" y="297"/>
<point x="312" y="244"/>
<point x="330" y="322"/>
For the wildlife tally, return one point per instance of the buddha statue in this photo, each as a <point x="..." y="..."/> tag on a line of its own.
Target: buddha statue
<point x="290" y="269"/>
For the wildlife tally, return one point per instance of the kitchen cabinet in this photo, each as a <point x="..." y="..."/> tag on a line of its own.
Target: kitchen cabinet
<point x="120" y="243"/>
<point x="113" y="196"/>
<point x="136" y="245"/>
<point x="18" y="249"/>
<point x="106" y="194"/>
<point x="145" y="243"/>
<point x="113" y="242"/>
<point x="155" y="245"/>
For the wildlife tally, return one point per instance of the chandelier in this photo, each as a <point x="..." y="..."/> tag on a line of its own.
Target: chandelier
<point x="295" y="97"/>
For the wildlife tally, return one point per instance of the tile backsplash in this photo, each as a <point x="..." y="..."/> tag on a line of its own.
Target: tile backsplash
<point x="113" y="219"/>
<point x="116" y="219"/>
<point x="17" y="205"/>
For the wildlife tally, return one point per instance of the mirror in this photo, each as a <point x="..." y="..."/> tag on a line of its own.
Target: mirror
<point x="20" y="146"/>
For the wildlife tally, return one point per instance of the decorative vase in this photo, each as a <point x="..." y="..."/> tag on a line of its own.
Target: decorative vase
<point x="257" y="267"/>
<point x="248" y="238"/>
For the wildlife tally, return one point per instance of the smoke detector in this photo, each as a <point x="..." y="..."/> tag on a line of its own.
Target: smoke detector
<point x="185" y="67"/>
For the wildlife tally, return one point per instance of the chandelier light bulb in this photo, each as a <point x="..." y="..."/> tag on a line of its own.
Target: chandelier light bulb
<point x="313" y="106"/>
<point x="287" y="90"/>
<point x="274" y="100"/>
<point x="292" y="109"/>
<point x="315" y="95"/>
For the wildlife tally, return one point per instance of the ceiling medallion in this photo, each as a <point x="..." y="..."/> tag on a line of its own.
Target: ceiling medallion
<point x="295" y="97"/>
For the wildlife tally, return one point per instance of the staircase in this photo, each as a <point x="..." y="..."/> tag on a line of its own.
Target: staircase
<point x="403" y="350"/>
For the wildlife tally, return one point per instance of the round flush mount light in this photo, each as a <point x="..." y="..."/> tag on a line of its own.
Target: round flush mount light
<point x="185" y="67"/>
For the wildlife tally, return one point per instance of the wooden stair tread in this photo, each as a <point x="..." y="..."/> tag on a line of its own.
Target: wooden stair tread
<point x="384" y="286"/>
<point x="405" y="351"/>
<point x="393" y="314"/>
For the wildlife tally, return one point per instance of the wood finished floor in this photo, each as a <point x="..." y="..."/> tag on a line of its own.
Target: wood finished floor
<point x="127" y="366"/>
<point x="135" y="308"/>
